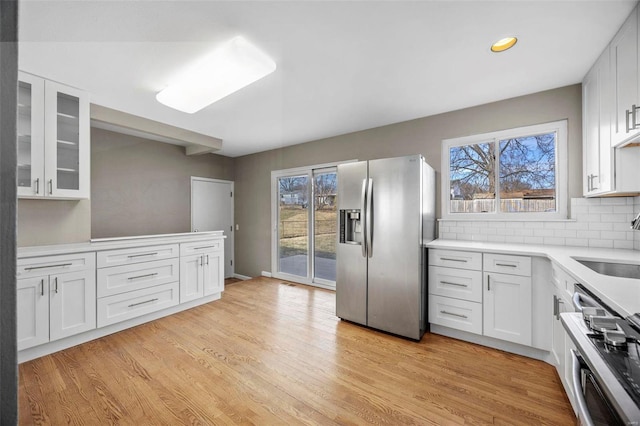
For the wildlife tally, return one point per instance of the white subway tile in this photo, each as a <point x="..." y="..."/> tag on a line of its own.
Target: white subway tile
<point x="616" y="217"/>
<point x="496" y="224"/>
<point x="577" y="225"/>
<point x="601" y="226"/>
<point x="580" y="201"/>
<point x="479" y="237"/>
<point x="533" y="240"/>
<point x="524" y="232"/>
<point x="544" y="232"/>
<point x="588" y="218"/>
<point x="622" y="226"/>
<point x="534" y="225"/>
<point x="590" y="235"/>
<point x="617" y="235"/>
<point x="443" y="229"/>
<point x="624" y="209"/>
<point x="505" y="231"/>
<point x="601" y="243"/>
<point x="554" y="241"/>
<point x="567" y="233"/>
<point x="601" y="209"/>
<point x="593" y="201"/>
<point x="514" y="225"/>
<point x="614" y="201"/>
<point x="449" y="236"/>
<point x="623" y="245"/>
<point x="514" y="239"/>
<point x="554" y="225"/>
<point x="496" y="238"/>
<point x="578" y="242"/>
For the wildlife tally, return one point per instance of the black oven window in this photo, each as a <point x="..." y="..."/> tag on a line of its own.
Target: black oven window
<point x="597" y="404"/>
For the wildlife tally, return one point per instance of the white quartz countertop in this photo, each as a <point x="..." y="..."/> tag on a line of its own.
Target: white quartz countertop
<point x="621" y="294"/>
<point x="116" y="243"/>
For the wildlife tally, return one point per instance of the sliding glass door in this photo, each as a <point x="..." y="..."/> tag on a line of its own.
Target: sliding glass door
<point x="305" y="219"/>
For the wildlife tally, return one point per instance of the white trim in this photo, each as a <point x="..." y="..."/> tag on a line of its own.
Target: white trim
<point x="241" y="277"/>
<point x="562" y="201"/>
<point x="266" y="274"/>
<point x="232" y="237"/>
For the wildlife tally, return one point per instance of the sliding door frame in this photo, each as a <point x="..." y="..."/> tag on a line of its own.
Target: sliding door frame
<point x="275" y="220"/>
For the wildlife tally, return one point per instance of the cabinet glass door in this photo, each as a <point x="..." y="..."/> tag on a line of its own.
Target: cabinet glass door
<point x="67" y="147"/>
<point x="68" y="142"/>
<point x="30" y="142"/>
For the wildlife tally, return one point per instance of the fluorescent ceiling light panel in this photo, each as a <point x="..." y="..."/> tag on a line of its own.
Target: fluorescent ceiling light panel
<point x="231" y="67"/>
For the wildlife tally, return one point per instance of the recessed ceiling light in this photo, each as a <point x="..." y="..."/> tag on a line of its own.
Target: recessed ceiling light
<point x="231" y="67"/>
<point x="504" y="44"/>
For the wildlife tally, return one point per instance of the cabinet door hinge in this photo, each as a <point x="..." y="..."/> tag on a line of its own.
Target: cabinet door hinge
<point x="231" y="194"/>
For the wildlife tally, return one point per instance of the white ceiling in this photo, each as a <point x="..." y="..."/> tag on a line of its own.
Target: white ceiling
<point x="343" y="66"/>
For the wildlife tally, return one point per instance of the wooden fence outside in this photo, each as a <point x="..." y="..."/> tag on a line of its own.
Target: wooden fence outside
<point x="508" y="205"/>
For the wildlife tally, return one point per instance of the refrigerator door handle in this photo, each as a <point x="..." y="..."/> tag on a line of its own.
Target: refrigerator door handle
<point x="363" y="203"/>
<point x="369" y="218"/>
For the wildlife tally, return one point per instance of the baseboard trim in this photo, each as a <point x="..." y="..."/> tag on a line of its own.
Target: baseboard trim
<point x="241" y="277"/>
<point x="266" y="274"/>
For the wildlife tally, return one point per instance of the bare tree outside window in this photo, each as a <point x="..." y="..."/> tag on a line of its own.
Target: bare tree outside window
<point x="522" y="170"/>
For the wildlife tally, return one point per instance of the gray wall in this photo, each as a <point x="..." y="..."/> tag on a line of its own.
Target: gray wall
<point x="142" y="187"/>
<point x="138" y="187"/>
<point x="420" y="136"/>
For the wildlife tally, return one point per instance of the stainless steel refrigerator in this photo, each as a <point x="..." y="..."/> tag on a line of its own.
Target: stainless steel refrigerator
<point x="386" y="215"/>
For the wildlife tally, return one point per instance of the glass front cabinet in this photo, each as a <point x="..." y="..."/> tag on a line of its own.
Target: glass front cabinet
<point x="53" y="140"/>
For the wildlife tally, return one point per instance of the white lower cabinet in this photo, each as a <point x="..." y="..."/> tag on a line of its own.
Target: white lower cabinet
<point x="487" y="294"/>
<point x="52" y="307"/>
<point x="131" y="304"/>
<point x="459" y="314"/>
<point x="507" y="308"/>
<point x="201" y="270"/>
<point x="33" y="312"/>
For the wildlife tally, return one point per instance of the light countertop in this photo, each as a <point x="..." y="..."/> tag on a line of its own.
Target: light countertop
<point x="116" y="243"/>
<point x="621" y="294"/>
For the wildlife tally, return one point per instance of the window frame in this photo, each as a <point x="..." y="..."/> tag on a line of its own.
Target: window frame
<point x="561" y="161"/>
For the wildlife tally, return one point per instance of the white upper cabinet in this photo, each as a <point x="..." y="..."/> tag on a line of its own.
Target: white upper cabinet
<point x="596" y="132"/>
<point x="625" y="119"/>
<point x="53" y="140"/>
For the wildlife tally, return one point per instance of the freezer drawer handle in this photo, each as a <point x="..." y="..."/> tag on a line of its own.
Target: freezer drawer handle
<point x="142" y="303"/>
<point x="143" y="254"/>
<point x="455" y="315"/>
<point x="450" y="283"/>
<point x="143" y="276"/>
<point x="506" y="264"/>
<point x="453" y="260"/>
<point x="59" y="265"/>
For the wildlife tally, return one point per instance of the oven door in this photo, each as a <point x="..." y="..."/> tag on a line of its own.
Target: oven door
<point x="594" y="409"/>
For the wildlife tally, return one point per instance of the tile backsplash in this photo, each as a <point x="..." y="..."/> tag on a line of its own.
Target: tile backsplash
<point x="595" y="222"/>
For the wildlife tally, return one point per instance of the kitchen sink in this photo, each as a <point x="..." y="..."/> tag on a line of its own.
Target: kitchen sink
<point x="623" y="270"/>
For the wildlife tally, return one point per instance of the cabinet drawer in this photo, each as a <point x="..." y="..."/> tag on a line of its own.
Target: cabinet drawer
<point x="52" y="265"/>
<point x="456" y="259"/>
<point x="120" y="279"/>
<point x="201" y="247"/>
<point x="454" y="313"/>
<point x="507" y="264"/>
<point x="120" y="307"/>
<point x="136" y="255"/>
<point x="457" y="283"/>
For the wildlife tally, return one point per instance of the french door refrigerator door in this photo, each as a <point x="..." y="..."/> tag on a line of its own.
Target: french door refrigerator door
<point x="351" y="260"/>
<point x="394" y="272"/>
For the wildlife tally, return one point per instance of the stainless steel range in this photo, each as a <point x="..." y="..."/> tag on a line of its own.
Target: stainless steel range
<point x="606" y="366"/>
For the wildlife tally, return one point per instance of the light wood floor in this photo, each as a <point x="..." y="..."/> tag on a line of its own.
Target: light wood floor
<point x="272" y="353"/>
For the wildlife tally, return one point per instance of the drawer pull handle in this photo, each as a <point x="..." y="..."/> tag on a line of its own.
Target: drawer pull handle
<point x="205" y="247"/>
<point x="59" y="265"/>
<point x="453" y="260"/>
<point x="142" y="303"/>
<point x="42" y="287"/>
<point x="455" y="315"/>
<point x="140" y="255"/>
<point x="450" y="283"/>
<point x="506" y="264"/>
<point x="143" y="276"/>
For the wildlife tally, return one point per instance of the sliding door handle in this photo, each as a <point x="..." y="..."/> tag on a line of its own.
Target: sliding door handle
<point x="363" y="218"/>
<point x="369" y="220"/>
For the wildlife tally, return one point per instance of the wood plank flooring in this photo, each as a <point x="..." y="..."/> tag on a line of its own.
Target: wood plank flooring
<point x="272" y="353"/>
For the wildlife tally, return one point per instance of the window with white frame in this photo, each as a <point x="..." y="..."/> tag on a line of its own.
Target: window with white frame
<point x="514" y="174"/>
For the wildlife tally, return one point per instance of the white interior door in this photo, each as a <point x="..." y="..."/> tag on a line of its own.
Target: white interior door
<point x="212" y="210"/>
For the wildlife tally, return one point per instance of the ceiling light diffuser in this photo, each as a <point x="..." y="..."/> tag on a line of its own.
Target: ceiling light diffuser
<point x="504" y="44"/>
<point x="229" y="68"/>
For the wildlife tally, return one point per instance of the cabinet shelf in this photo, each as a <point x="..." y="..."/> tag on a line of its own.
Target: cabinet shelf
<point x="67" y="144"/>
<point x="67" y="116"/>
<point x="65" y="170"/>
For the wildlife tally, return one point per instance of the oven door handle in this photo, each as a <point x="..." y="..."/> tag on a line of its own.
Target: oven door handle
<point x="584" y="417"/>
<point x="578" y="298"/>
